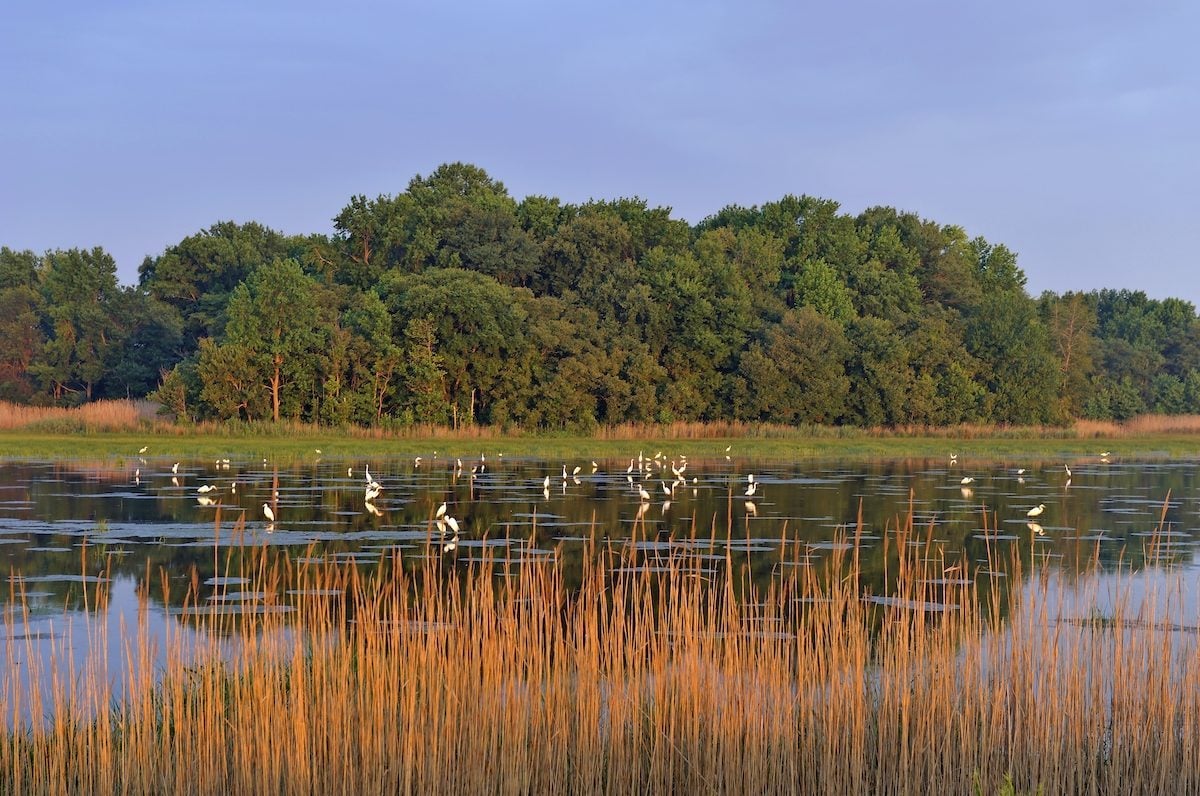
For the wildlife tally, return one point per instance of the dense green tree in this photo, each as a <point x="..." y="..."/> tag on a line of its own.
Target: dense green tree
<point x="797" y="374"/>
<point x="273" y="321"/>
<point x="477" y="324"/>
<point x="198" y="275"/>
<point x="79" y="290"/>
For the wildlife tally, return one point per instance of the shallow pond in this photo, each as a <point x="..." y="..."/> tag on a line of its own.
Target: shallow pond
<point x="83" y="536"/>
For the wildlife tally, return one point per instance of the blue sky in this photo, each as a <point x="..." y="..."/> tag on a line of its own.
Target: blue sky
<point x="1064" y="130"/>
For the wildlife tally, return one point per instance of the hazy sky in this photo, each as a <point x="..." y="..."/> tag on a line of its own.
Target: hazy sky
<point x="1065" y="130"/>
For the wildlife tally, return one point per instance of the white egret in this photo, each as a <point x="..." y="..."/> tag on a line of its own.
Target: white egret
<point x="751" y="490"/>
<point x="204" y="490"/>
<point x="1020" y="471"/>
<point x="266" y="509"/>
<point x="643" y="494"/>
<point x="575" y="472"/>
<point x="564" y="472"/>
<point x="1105" y="454"/>
<point x="1068" y="469"/>
<point x="349" y="472"/>
<point x="966" y="480"/>
<point x="175" y="467"/>
<point x="1036" y="511"/>
<point x="453" y="523"/>
<point x="546" y="482"/>
<point x="143" y="449"/>
<point x="595" y="467"/>
<point x="417" y="462"/>
<point x="451" y="545"/>
<point x="441" y="511"/>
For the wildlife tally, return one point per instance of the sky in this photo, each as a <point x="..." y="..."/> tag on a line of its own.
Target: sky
<point x="1064" y="130"/>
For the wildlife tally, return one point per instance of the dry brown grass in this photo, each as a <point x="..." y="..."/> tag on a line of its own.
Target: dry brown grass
<point x="495" y="677"/>
<point x="94" y="416"/>
<point x="1141" y="426"/>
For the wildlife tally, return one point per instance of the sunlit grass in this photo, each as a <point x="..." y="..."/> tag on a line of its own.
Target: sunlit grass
<point x="661" y="672"/>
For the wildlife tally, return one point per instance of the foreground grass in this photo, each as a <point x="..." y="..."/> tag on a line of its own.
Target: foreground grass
<point x="492" y="677"/>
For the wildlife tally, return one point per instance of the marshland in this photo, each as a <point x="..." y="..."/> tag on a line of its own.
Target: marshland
<point x="641" y="624"/>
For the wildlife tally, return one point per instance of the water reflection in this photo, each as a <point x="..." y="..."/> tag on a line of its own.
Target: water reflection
<point x="60" y="521"/>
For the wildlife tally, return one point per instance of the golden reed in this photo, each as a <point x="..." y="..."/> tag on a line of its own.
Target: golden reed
<point x="659" y="672"/>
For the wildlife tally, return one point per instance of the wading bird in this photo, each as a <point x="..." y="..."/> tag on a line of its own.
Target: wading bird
<point x="1036" y="511"/>
<point x="270" y="515"/>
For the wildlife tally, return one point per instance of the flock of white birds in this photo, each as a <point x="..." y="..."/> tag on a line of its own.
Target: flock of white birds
<point x="639" y="472"/>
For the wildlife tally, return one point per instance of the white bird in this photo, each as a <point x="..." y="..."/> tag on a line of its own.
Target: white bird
<point x="1036" y="511"/>
<point x="564" y="472"/>
<point x="204" y="490"/>
<point x="1103" y="454"/>
<point x="367" y="472"/>
<point x="643" y="494"/>
<point x="595" y="467"/>
<point x="441" y="511"/>
<point x="137" y="473"/>
<point x="546" y="483"/>
<point x="453" y="523"/>
<point x="750" y="478"/>
<point x="751" y="490"/>
<point x="576" y="470"/>
<point x="1020" y="471"/>
<point x="270" y="515"/>
<point x="966" y="480"/>
<point x="1068" y="469"/>
<point x="450" y="546"/>
<point x="143" y="449"/>
<point x="233" y="487"/>
<point x="349" y="472"/>
<point x="417" y="462"/>
<point x="175" y="467"/>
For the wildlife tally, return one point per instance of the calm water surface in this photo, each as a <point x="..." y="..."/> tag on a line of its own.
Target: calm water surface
<point x="70" y="530"/>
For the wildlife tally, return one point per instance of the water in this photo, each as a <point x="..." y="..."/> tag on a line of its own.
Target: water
<point x="78" y="539"/>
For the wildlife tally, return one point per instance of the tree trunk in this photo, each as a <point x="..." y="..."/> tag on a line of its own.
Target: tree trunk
<point x="275" y="389"/>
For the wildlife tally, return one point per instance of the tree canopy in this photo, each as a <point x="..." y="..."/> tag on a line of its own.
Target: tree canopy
<point x="452" y="302"/>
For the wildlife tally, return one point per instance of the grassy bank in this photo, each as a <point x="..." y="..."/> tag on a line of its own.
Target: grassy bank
<point x="305" y="443"/>
<point x="115" y="429"/>
<point x="664" y="672"/>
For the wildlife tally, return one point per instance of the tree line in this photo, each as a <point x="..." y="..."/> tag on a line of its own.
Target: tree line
<point x="454" y="303"/>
